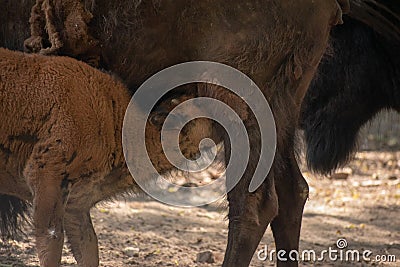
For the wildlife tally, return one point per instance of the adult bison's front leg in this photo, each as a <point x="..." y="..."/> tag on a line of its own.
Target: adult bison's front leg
<point x="292" y="190"/>
<point x="284" y="191"/>
<point x="248" y="222"/>
<point x="249" y="213"/>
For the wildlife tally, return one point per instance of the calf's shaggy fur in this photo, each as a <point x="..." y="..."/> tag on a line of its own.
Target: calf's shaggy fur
<point x="60" y="127"/>
<point x="61" y="149"/>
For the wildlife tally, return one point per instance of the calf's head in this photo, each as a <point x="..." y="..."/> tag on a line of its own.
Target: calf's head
<point x="190" y="135"/>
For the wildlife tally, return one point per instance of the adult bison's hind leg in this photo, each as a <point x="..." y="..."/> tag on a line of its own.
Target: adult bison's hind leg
<point x="292" y="190"/>
<point x="82" y="237"/>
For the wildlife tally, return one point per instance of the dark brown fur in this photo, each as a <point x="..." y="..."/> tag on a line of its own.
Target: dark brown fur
<point x="14" y="23"/>
<point x="63" y="25"/>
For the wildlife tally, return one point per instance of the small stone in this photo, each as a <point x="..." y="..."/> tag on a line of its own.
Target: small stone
<point x="205" y="257"/>
<point x="340" y="176"/>
<point x="131" y="251"/>
<point x="371" y="183"/>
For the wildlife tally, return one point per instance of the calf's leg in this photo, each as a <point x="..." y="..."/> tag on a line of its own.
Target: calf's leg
<point x="49" y="184"/>
<point x="82" y="237"/>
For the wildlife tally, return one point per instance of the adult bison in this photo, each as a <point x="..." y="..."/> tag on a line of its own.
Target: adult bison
<point x="279" y="44"/>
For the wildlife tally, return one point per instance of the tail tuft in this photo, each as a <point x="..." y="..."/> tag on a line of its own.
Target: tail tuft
<point x="13" y="213"/>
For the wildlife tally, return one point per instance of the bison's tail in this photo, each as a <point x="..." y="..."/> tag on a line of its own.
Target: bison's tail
<point x="13" y="213"/>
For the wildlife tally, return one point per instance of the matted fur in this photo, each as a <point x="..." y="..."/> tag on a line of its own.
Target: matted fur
<point x="63" y="25"/>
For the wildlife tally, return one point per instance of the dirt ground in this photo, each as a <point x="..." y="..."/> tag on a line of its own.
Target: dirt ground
<point x="360" y="204"/>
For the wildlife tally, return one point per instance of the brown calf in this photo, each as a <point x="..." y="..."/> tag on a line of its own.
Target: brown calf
<point x="61" y="148"/>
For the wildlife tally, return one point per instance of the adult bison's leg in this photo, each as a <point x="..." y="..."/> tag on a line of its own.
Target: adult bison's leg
<point x="82" y="237"/>
<point x="249" y="216"/>
<point x="249" y="213"/>
<point x="50" y="187"/>
<point x="292" y="190"/>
